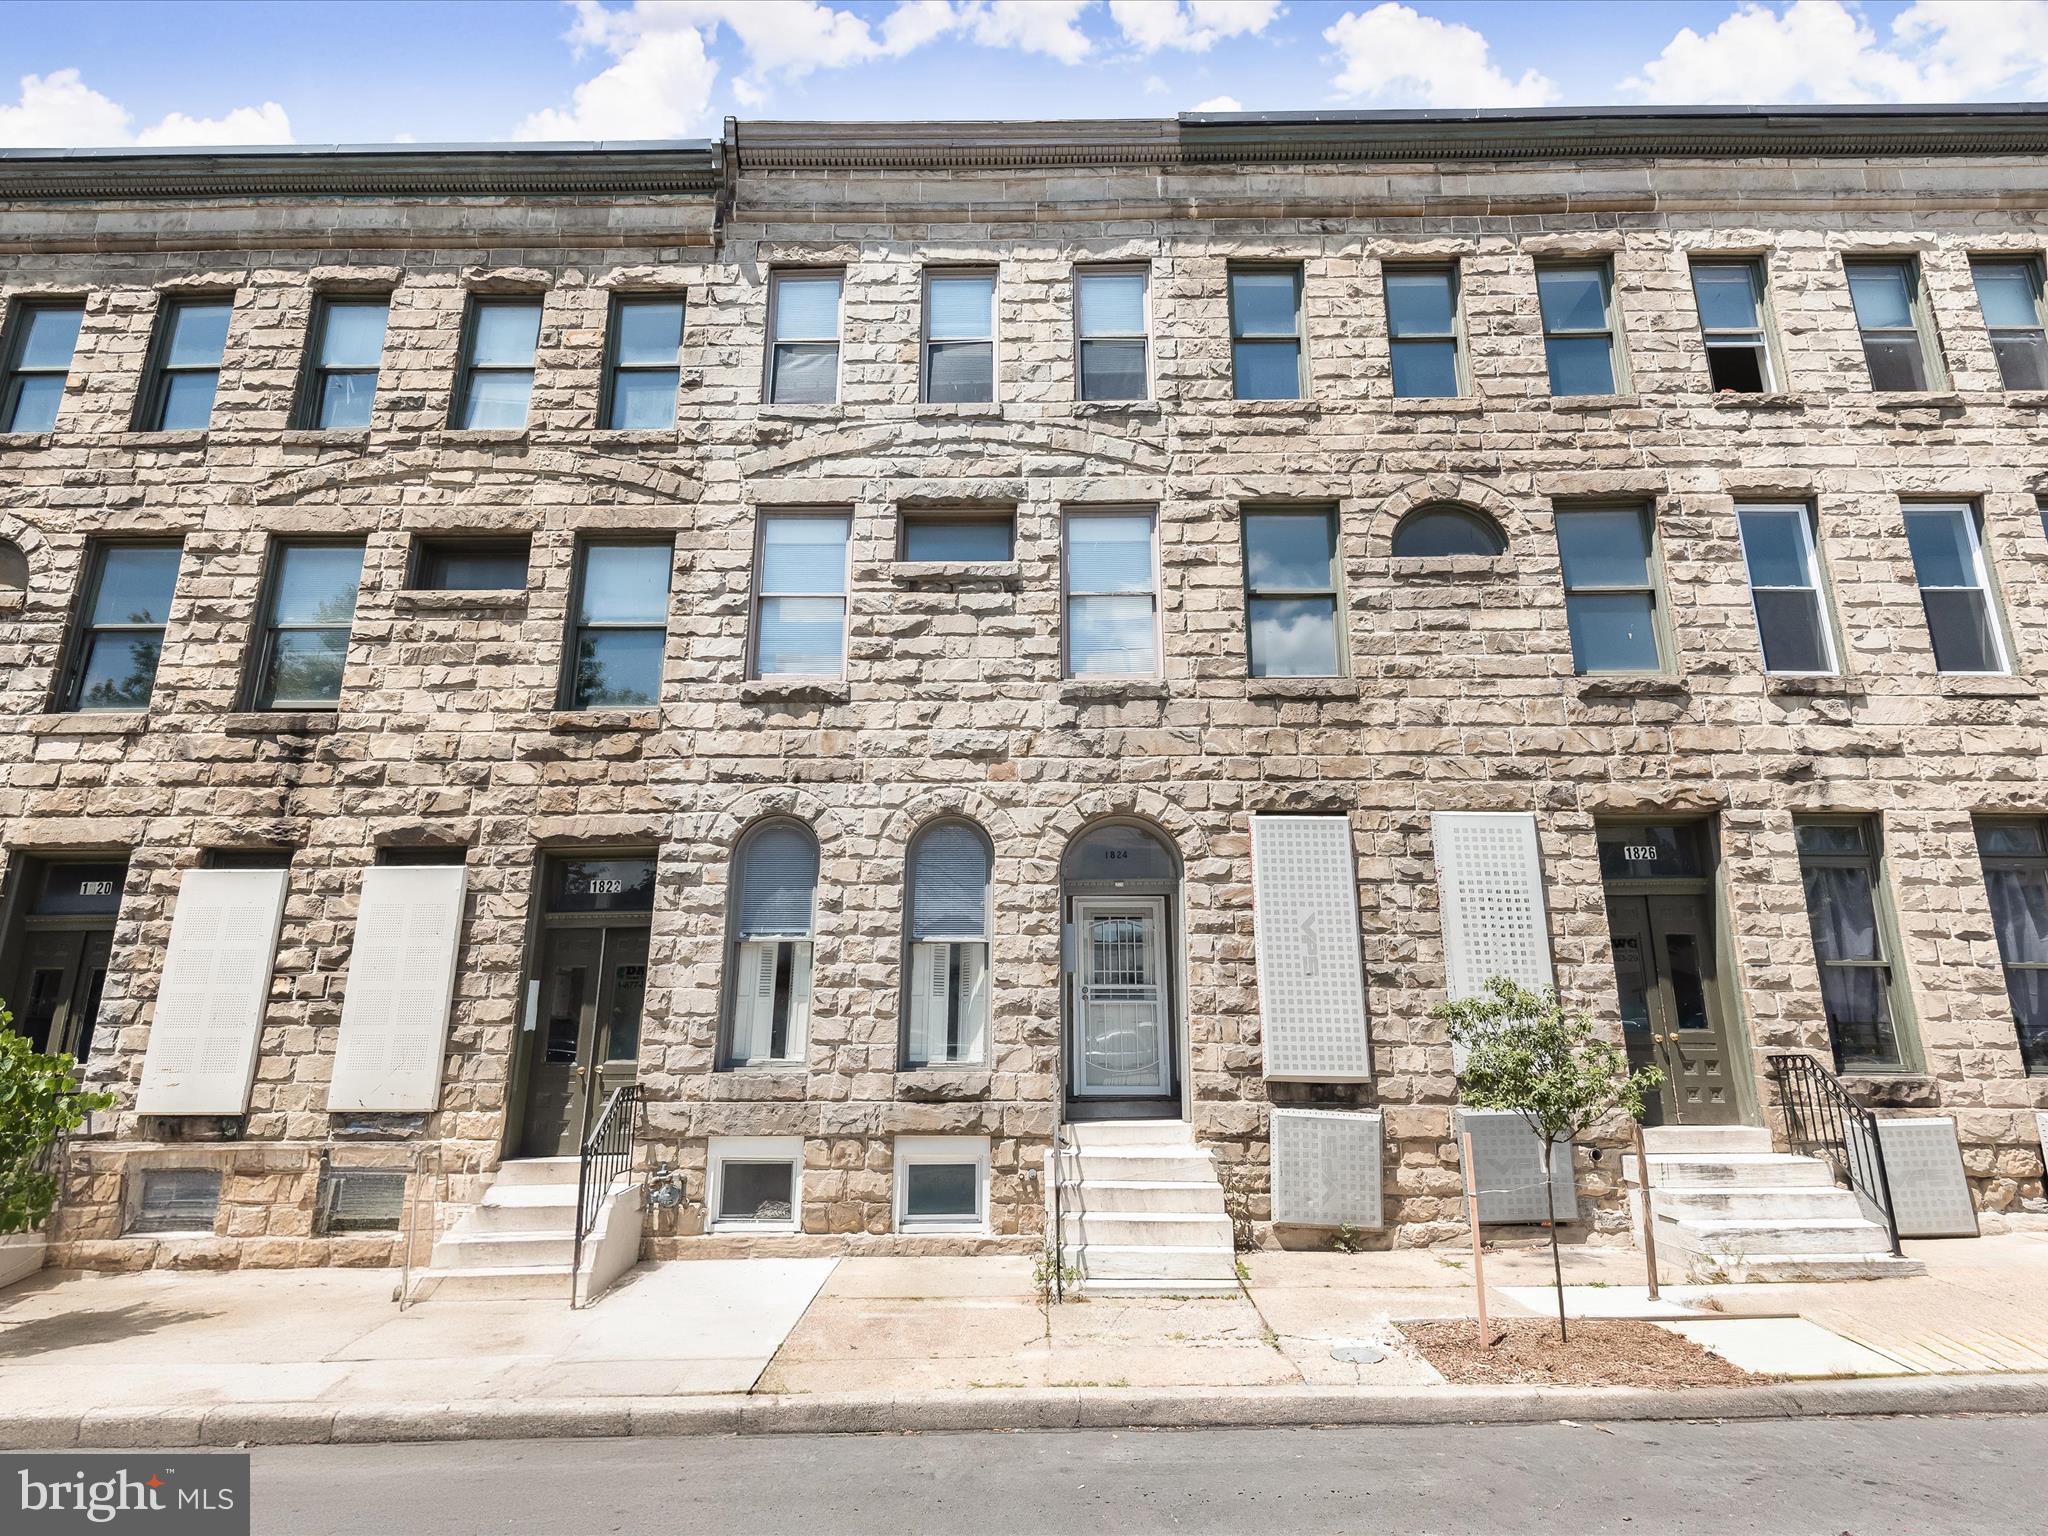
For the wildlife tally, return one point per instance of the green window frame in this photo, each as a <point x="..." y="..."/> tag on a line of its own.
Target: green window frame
<point x="37" y="333"/>
<point x="1864" y="995"/>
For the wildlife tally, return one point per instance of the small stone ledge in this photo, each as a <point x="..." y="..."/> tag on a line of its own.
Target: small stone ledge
<point x="796" y="690"/>
<point x="946" y="573"/>
<point x="2024" y="399"/>
<point x="279" y="722"/>
<point x="126" y="722"/>
<point x="1892" y="1090"/>
<point x="1916" y="400"/>
<point x="574" y="722"/>
<point x="354" y="439"/>
<point x="1597" y="688"/>
<point x="635" y="437"/>
<point x="1101" y="691"/>
<point x="475" y="601"/>
<point x="1112" y="410"/>
<point x="1776" y="400"/>
<point x="483" y="437"/>
<point x="1435" y="405"/>
<point x="1301" y="688"/>
<point x="1594" y="402"/>
<point x="1453" y="567"/>
<point x="959" y="410"/>
<point x="161" y="442"/>
<point x="936" y="1085"/>
<point x="1966" y="686"/>
<point x="1832" y="686"/>
<point x="25" y="442"/>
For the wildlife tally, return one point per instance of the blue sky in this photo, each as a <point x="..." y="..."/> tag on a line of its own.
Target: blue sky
<point x="90" y="72"/>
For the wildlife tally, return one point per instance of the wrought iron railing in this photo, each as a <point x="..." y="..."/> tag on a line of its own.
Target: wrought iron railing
<point x="607" y="1153"/>
<point x="1059" y="1216"/>
<point x="1822" y="1121"/>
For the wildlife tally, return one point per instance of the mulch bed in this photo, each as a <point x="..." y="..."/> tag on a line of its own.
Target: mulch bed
<point x="1602" y="1352"/>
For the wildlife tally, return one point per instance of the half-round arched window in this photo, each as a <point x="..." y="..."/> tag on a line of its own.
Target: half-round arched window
<point x="774" y="902"/>
<point x="13" y="568"/>
<point x="1443" y="529"/>
<point x="1117" y="851"/>
<point x="946" y="1006"/>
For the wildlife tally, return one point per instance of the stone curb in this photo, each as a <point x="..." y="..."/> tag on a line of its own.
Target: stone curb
<point x="1075" y="1408"/>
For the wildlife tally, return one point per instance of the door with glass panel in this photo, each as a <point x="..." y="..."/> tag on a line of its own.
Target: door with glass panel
<point x="590" y="1001"/>
<point x="1664" y="973"/>
<point x="1120" y="1005"/>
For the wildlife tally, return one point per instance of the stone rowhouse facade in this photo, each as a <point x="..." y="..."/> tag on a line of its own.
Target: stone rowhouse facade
<point x="1460" y="694"/>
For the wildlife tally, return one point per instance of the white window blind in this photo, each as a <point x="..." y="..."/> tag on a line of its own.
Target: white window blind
<point x="778" y="877"/>
<point x="1311" y="981"/>
<point x="401" y="979"/>
<point x="201" y="1058"/>
<point x="1490" y="887"/>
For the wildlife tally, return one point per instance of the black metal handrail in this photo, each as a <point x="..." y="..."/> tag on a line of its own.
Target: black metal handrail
<point x="1822" y="1121"/>
<point x="607" y="1153"/>
<point x="1059" y="1219"/>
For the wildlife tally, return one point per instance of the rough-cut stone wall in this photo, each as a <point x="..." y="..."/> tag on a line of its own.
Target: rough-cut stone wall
<point x="1460" y="694"/>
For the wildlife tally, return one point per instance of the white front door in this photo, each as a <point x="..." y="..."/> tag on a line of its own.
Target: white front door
<point x="1120" y="1005"/>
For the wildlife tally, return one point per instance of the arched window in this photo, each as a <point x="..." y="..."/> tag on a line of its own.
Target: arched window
<point x="1441" y="530"/>
<point x="776" y="895"/>
<point x="947" y="925"/>
<point x="13" y="568"/>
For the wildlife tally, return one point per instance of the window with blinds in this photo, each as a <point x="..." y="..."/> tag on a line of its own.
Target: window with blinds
<point x="946" y="1005"/>
<point x="777" y="884"/>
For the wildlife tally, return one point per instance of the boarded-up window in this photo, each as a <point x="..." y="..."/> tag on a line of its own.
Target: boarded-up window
<point x="176" y="1200"/>
<point x="1311" y="986"/>
<point x="401" y="976"/>
<point x="1490" y="884"/>
<point x="201" y="1058"/>
<point x="361" y="1200"/>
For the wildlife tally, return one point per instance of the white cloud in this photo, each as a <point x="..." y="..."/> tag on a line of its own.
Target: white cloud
<point x="1220" y="104"/>
<point x="1826" y="51"/>
<point x="1394" y="52"/>
<point x="660" y="88"/>
<point x="1194" y="26"/>
<point x="60" y="111"/>
<point x="1050" y="27"/>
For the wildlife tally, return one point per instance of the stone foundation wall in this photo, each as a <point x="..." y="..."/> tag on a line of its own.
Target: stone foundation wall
<point x="1460" y="693"/>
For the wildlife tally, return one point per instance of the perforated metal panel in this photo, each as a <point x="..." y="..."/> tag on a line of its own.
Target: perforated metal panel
<point x="401" y="978"/>
<point x="1930" y="1191"/>
<point x="1311" y="970"/>
<point x="1490" y="888"/>
<point x="203" y="1038"/>
<point x="1326" y="1168"/>
<point x="1509" y="1172"/>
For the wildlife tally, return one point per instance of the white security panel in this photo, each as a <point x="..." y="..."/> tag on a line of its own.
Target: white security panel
<point x="401" y="980"/>
<point x="1311" y="970"/>
<point x="1490" y="888"/>
<point x="1923" y="1162"/>
<point x="203" y="1039"/>
<point x="1507" y="1169"/>
<point x="1326" y="1168"/>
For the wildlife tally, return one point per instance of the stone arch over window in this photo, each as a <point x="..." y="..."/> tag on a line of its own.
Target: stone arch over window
<point x="13" y="567"/>
<point x="771" y="925"/>
<point x="947" y="874"/>
<point x="1441" y="530"/>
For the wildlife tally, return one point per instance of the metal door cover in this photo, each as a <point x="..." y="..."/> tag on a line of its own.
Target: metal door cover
<point x="1509" y="1169"/>
<point x="1924" y="1164"/>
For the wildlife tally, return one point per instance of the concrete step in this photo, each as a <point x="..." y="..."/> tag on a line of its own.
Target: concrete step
<point x="1148" y="1229"/>
<point x="1788" y="1202"/>
<point x="1112" y="1288"/>
<point x="502" y="1250"/>
<point x="524" y="1208"/>
<point x="1734" y="1239"/>
<point x="538" y="1170"/>
<point x="1788" y="1268"/>
<point x="1743" y="1170"/>
<point x="1130" y="1261"/>
<point x="1659" y="1140"/>
<point x="1115" y="1196"/>
<point x="1130" y="1133"/>
<point x="1170" y="1165"/>
<point x="549" y="1282"/>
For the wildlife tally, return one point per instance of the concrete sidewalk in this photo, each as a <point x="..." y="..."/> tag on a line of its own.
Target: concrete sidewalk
<point x="722" y="1346"/>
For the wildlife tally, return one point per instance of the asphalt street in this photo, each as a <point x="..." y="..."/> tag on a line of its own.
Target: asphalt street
<point x="1811" y="1477"/>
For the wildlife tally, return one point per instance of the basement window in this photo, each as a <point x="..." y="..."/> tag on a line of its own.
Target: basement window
<point x="941" y="1183"/>
<point x="182" y="1200"/>
<point x="756" y="1183"/>
<point x="360" y="1200"/>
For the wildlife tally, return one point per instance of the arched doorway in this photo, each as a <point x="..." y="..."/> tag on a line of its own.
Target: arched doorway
<point x="1120" y="891"/>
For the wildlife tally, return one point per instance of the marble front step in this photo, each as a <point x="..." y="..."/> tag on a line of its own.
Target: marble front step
<point x="1172" y="1165"/>
<point x="1130" y="1133"/>
<point x="1787" y="1202"/>
<point x="503" y="1250"/>
<point x="1148" y="1229"/>
<point x="1099" y="1262"/>
<point x="1743" y="1170"/>
<point x="538" y="1170"/>
<point x="525" y="1208"/>
<point x="1738" y="1239"/>
<point x="1718" y="1140"/>
<point x="1789" y="1268"/>
<point x="1114" y="1196"/>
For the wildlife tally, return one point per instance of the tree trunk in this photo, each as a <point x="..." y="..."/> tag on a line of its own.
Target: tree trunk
<point x="1556" y="1263"/>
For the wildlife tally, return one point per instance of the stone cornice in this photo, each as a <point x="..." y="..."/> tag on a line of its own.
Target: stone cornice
<point x="682" y="168"/>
